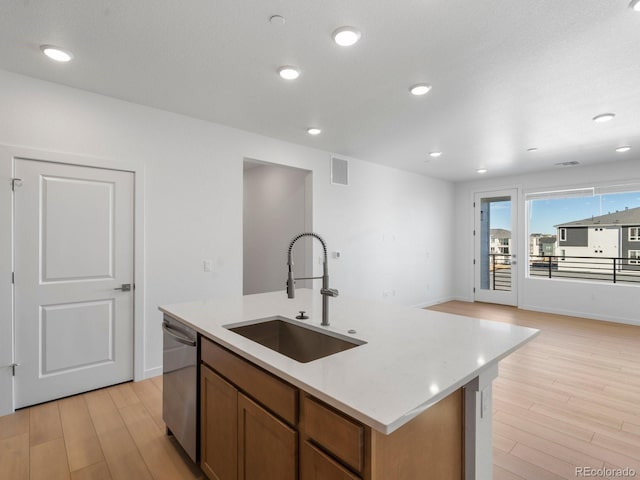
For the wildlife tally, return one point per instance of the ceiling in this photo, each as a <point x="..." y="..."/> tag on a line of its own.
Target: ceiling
<point x="507" y="75"/>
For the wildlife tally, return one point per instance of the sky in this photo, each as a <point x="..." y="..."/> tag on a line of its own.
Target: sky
<point x="544" y="214"/>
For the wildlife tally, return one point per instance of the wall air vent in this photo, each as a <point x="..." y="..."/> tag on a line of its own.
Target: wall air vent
<point x="573" y="163"/>
<point x="339" y="171"/>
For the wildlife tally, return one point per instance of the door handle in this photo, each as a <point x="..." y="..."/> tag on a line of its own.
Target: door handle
<point x="175" y="334"/>
<point x="126" y="287"/>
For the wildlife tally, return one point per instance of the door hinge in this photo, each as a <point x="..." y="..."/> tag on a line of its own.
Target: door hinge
<point x="474" y="261"/>
<point x="13" y="368"/>
<point x="15" y="182"/>
<point x="474" y="233"/>
<point x="474" y="204"/>
<point x="13" y="278"/>
<point x="474" y="289"/>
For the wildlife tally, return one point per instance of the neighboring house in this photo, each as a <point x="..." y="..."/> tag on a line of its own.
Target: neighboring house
<point x="542" y="245"/>
<point x="614" y="235"/>
<point x="500" y="241"/>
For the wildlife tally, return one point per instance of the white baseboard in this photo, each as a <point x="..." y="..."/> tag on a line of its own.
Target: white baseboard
<point x="152" y="372"/>
<point x="463" y="299"/>
<point x="575" y="313"/>
<point x="433" y="302"/>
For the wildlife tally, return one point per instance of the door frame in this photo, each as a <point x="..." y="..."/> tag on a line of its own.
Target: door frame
<point x="7" y="321"/>
<point x="516" y="192"/>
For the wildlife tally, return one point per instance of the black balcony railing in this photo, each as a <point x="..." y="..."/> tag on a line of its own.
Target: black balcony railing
<point x="500" y="271"/>
<point x="605" y="269"/>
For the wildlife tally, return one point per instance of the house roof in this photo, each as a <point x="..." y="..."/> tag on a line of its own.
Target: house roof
<point x="630" y="216"/>
<point x="500" y="233"/>
<point x="548" y="239"/>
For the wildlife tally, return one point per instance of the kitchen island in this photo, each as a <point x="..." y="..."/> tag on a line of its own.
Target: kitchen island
<point x="412" y="369"/>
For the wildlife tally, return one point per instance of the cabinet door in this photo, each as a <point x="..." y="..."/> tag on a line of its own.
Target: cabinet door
<point x="267" y="448"/>
<point x="219" y="427"/>
<point x="315" y="465"/>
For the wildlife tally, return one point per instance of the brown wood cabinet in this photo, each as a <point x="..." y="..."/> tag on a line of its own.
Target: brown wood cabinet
<point x="342" y="436"/>
<point x="219" y="427"/>
<point x="253" y="429"/>
<point x="267" y="448"/>
<point x="316" y="465"/>
<point x="248" y="419"/>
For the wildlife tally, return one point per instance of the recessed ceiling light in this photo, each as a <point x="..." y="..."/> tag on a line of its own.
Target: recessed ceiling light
<point x="624" y="149"/>
<point x="420" y="89"/>
<point x="56" y="53"/>
<point x="435" y="154"/>
<point x="482" y="170"/>
<point x="532" y="149"/>
<point x="314" y="131"/>
<point x="346" y="36"/>
<point x="604" y="117"/>
<point x="289" y="72"/>
<point x="635" y="4"/>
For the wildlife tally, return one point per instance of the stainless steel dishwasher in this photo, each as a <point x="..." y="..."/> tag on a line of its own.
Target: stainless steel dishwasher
<point x="180" y="384"/>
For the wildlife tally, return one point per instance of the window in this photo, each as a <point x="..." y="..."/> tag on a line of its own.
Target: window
<point x="580" y="226"/>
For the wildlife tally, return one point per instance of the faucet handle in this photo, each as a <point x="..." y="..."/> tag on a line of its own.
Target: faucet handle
<point x="330" y="292"/>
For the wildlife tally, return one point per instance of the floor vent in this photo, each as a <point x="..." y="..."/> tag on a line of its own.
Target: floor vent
<point x="339" y="171"/>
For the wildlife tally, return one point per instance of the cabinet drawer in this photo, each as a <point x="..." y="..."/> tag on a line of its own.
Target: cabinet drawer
<point x="278" y="396"/>
<point x="340" y="435"/>
<point x="315" y="465"/>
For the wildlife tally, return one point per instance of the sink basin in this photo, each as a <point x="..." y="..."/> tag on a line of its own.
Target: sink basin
<point x="300" y="342"/>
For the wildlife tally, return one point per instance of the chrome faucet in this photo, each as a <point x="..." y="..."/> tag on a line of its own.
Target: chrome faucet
<point x="325" y="291"/>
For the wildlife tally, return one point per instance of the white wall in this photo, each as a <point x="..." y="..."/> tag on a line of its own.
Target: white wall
<point x="394" y="228"/>
<point x="580" y="298"/>
<point x="274" y="211"/>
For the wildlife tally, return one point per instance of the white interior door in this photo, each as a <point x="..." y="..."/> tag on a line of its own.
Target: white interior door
<point x="495" y="240"/>
<point x="73" y="230"/>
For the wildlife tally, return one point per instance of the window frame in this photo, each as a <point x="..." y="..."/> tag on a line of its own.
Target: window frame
<point x="563" y="234"/>
<point x="636" y="237"/>
<point x="636" y="258"/>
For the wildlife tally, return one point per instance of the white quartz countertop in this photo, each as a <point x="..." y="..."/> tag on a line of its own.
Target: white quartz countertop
<point x="413" y="357"/>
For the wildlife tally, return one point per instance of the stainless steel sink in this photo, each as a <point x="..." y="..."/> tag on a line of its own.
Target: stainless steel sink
<point x="300" y="342"/>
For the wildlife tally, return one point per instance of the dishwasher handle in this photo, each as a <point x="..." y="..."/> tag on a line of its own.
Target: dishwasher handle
<point x="175" y="334"/>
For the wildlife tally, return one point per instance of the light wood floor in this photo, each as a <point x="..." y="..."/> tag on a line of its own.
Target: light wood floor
<point x="113" y="433"/>
<point x="569" y="398"/>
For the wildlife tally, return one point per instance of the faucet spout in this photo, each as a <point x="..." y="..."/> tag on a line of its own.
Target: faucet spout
<point x="325" y="291"/>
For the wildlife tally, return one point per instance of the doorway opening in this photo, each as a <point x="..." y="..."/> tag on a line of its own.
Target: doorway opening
<point x="276" y="207"/>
